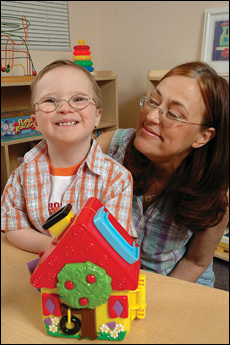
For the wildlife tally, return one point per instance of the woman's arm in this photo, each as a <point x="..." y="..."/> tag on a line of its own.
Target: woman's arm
<point x="200" y="252"/>
<point x="29" y="240"/>
<point x="104" y="141"/>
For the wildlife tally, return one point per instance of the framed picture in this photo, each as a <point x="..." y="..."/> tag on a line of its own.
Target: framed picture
<point x="215" y="46"/>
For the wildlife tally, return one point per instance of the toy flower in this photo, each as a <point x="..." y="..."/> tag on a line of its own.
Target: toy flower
<point x="55" y="321"/>
<point x="53" y="328"/>
<point x="119" y="328"/>
<point x="113" y="334"/>
<point x="104" y="328"/>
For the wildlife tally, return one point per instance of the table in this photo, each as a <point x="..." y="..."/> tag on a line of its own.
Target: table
<point x="177" y="312"/>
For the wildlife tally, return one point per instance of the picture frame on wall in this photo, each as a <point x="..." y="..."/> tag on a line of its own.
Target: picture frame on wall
<point x="215" y="46"/>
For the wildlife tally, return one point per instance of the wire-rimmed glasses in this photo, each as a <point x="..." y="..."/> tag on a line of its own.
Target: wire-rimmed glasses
<point x="168" y="118"/>
<point x="77" y="102"/>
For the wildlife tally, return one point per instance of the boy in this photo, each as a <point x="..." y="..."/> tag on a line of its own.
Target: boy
<point x="68" y="165"/>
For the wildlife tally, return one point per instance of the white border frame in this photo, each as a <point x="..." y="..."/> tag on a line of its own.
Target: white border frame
<point x="211" y="16"/>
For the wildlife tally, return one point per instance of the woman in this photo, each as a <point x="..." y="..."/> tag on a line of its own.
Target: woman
<point x="178" y="156"/>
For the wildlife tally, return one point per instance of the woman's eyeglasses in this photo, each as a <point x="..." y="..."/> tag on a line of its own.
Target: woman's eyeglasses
<point x="168" y="118"/>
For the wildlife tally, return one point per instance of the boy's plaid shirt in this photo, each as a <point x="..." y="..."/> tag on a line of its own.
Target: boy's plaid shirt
<point x="26" y="194"/>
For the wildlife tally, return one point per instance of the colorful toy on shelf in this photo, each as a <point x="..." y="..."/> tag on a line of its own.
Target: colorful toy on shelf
<point x="17" y="124"/>
<point x="89" y="277"/>
<point x="82" y="57"/>
<point x="9" y="52"/>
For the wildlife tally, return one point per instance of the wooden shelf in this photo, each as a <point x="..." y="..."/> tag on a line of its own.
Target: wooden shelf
<point x="104" y="75"/>
<point x="106" y="124"/>
<point x="15" y="96"/>
<point x="153" y="78"/>
<point x="9" y="81"/>
<point x="21" y="140"/>
<point x="222" y="256"/>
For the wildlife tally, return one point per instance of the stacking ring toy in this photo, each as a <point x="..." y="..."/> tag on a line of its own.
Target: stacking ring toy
<point x="82" y="57"/>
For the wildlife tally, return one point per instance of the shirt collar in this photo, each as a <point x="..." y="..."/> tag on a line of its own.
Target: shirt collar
<point x="94" y="160"/>
<point x="36" y="152"/>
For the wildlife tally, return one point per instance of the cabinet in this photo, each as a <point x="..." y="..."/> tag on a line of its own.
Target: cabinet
<point x="15" y="96"/>
<point x="153" y="78"/>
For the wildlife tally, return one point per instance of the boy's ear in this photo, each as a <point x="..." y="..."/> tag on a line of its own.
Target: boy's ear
<point x="98" y="116"/>
<point x="204" y="137"/>
<point x="34" y="121"/>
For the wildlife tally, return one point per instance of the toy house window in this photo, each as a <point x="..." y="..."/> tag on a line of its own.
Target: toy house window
<point x="51" y="304"/>
<point x="48" y="24"/>
<point x="118" y="306"/>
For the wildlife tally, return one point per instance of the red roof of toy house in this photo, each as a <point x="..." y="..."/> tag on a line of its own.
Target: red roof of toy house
<point x="82" y="241"/>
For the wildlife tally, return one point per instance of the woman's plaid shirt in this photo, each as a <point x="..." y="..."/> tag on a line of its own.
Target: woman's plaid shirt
<point x="26" y="194"/>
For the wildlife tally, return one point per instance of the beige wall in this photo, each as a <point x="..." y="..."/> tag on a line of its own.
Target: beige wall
<point x="133" y="37"/>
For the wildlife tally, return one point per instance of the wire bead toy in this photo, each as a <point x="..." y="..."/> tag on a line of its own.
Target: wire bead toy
<point x="11" y="34"/>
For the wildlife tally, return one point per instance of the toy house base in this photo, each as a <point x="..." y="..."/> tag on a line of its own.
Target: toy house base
<point x="108" y="321"/>
<point x="108" y="335"/>
<point x="90" y="281"/>
<point x="109" y="331"/>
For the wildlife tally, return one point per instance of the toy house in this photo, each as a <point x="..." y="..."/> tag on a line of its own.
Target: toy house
<point x="90" y="280"/>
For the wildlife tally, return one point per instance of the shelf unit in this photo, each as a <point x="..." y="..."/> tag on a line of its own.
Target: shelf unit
<point x="153" y="79"/>
<point x="15" y="96"/>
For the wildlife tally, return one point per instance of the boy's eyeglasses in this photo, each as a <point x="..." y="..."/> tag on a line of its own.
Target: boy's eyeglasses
<point x="77" y="102"/>
<point x="168" y="118"/>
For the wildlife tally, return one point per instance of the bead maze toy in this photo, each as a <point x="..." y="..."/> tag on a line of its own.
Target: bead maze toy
<point x="90" y="280"/>
<point x="82" y="57"/>
<point x="9" y="50"/>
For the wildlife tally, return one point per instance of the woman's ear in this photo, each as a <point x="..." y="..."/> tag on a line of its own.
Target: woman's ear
<point x="204" y="137"/>
<point x="34" y="121"/>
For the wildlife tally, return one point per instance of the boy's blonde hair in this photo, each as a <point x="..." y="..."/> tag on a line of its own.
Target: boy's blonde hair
<point x="60" y="63"/>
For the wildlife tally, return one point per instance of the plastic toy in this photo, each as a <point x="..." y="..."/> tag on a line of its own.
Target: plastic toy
<point x="9" y="50"/>
<point x="17" y="123"/>
<point x="89" y="277"/>
<point x="82" y="55"/>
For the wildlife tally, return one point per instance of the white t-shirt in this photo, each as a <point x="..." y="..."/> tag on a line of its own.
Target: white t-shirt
<point x="60" y="178"/>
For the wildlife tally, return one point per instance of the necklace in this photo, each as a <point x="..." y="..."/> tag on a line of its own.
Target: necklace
<point x="149" y="197"/>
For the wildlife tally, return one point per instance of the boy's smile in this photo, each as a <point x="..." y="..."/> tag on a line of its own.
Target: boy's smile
<point x="67" y="123"/>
